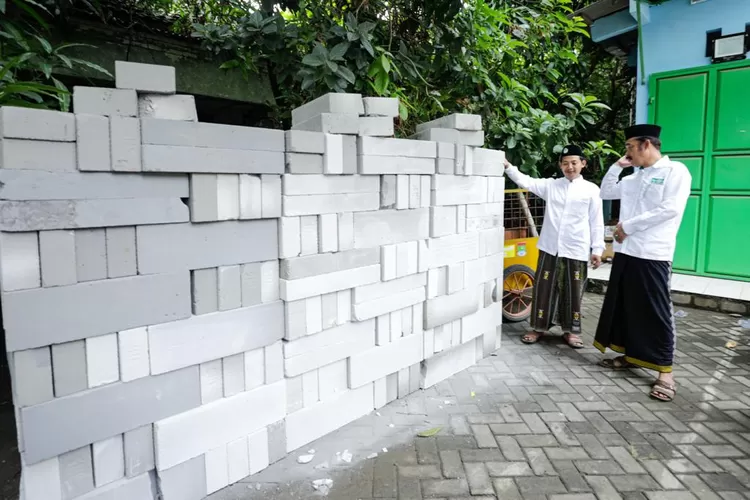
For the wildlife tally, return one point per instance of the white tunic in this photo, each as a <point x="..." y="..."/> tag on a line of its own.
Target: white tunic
<point x="573" y="222"/>
<point x="652" y="204"/>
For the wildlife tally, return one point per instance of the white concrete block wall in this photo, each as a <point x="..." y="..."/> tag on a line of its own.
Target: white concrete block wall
<point x="216" y="296"/>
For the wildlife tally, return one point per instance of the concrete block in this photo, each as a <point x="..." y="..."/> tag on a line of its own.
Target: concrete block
<point x="230" y="288"/>
<point x="330" y="203"/>
<point x="344" y="310"/>
<point x="447" y="364"/>
<point x="417" y="317"/>
<point x="109" y="460"/>
<point x="491" y="241"/>
<point x="453" y="249"/>
<point x="345" y="231"/>
<point x="195" y="432"/>
<point x="52" y="428"/>
<point x="295" y="399"/>
<point x="329" y="315"/>
<point x="328" y="232"/>
<point x="414" y="377"/>
<point x="41" y="481"/>
<point x="125" y="141"/>
<point x="402" y="192"/>
<point x="142" y="486"/>
<point x="425" y="191"/>
<point x="133" y="354"/>
<point x="102" y="360"/>
<point x="91" y="255"/>
<point x="381" y="106"/>
<point x="93" y="143"/>
<point x="211" y="336"/>
<point x="303" y="163"/>
<point x="139" y="451"/>
<point x="378" y="307"/>
<point x="94" y="308"/>
<point x="488" y="162"/>
<point x="381" y="164"/>
<point x="186" y="481"/>
<point x="381" y="290"/>
<point x="76" y="473"/>
<point x="250" y="197"/>
<point x="75" y="214"/>
<point x="443" y="221"/>
<point x="305" y="426"/>
<point x="315" y="351"/>
<point x="163" y="248"/>
<point x="329" y="123"/>
<point x="423" y="256"/>
<point x="482" y="322"/>
<point x="217" y="469"/>
<point x="255" y="369"/>
<point x="333" y="156"/>
<point x="391" y="387"/>
<point x="58" y="259"/>
<point x="233" y="369"/>
<point x="106" y="102"/>
<point x="445" y="166"/>
<point x="191" y="159"/>
<point x="258" y="446"/>
<point x="332" y="380"/>
<point x="412" y="256"/>
<point x="228" y="196"/>
<point x="310" y="394"/>
<point x="403" y="382"/>
<point x="439" y="135"/>
<point x="388" y="191"/>
<point x="296" y="318"/>
<point x="379" y="393"/>
<point x="461" y="225"/>
<point x="271" y="196"/>
<point x="37" y="124"/>
<point x="46" y="156"/>
<point x="378" y="362"/>
<point x="167" y="107"/>
<point x="396" y="147"/>
<point x="331" y="103"/>
<point x="327" y="283"/>
<point x="394" y="319"/>
<point x="212" y="135"/>
<point x="458" y="121"/>
<point x="446" y="150"/>
<point x="406" y="321"/>
<point x="484" y="210"/>
<point x="274" y="359"/>
<point x="32" y="377"/>
<point x="145" y="77"/>
<point x="350" y="154"/>
<point x="69" y="368"/>
<point x="455" y="278"/>
<point x="389" y="262"/>
<point x="385" y="227"/>
<point x="299" y="185"/>
<point x="429" y="343"/>
<point x="376" y="126"/>
<point x="308" y="235"/>
<point x="437" y="282"/>
<point x="19" y="261"/>
<point x="290" y="237"/>
<point x="269" y="281"/>
<point x="448" y="308"/>
<point x="121" y="257"/>
<point x="482" y="270"/>
<point x="402" y="259"/>
<point x="457" y="190"/>
<point x="302" y="141"/>
<point x="415" y="191"/>
<point x="205" y="291"/>
<point x="238" y="459"/>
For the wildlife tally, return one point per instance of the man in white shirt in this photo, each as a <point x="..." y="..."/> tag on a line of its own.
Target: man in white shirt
<point x="572" y="235"/>
<point x="652" y="202"/>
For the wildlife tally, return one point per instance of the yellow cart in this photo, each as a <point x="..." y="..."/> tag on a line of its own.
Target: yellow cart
<point x="523" y="216"/>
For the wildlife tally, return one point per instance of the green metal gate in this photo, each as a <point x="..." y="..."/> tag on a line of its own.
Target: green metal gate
<point x="705" y="119"/>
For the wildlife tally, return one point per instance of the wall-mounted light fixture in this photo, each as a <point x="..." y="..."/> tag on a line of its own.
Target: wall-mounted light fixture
<point x="730" y="47"/>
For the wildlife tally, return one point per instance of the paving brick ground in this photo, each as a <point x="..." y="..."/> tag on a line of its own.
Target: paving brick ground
<point x="544" y="422"/>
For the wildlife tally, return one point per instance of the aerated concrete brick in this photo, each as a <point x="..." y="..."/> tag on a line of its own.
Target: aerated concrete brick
<point x="328" y="233"/>
<point x="376" y="126"/>
<point x="121" y="256"/>
<point x="69" y="368"/>
<point x="251" y="281"/>
<point x="458" y="121"/>
<point x="37" y="124"/>
<point x="302" y="141"/>
<point x="448" y="308"/>
<point x="345" y="231"/>
<point x="329" y="123"/>
<point x="102" y="360"/>
<point x="298" y="185"/>
<point x="212" y="381"/>
<point x="19" y="261"/>
<point x="381" y="106"/>
<point x="191" y="159"/>
<point x="76" y="473"/>
<point x="32" y="377"/>
<point x="167" y="107"/>
<point x="47" y="156"/>
<point x="381" y="165"/>
<point x="205" y="291"/>
<point x="251" y="197"/>
<point x="368" y="146"/>
<point x="106" y="102"/>
<point x="303" y="163"/>
<point x="289" y="237"/>
<point x="109" y="460"/>
<point x="333" y="157"/>
<point x="125" y="143"/>
<point x="139" y="451"/>
<point x="133" y="354"/>
<point x="41" y="481"/>
<point x="276" y="441"/>
<point x="185" y="481"/>
<point x="271" y="196"/>
<point x="308" y="235"/>
<point x="331" y="103"/>
<point x="384" y="227"/>
<point x="151" y="78"/>
<point x="211" y="136"/>
<point x="233" y="368"/>
<point x="229" y="287"/>
<point x="93" y="143"/>
<point x="330" y="203"/>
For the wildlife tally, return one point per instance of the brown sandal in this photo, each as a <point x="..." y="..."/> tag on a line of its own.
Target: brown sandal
<point x="531" y="337"/>
<point x="662" y="391"/>
<point x="617" y="363"/>
<point x="573" y="340"/>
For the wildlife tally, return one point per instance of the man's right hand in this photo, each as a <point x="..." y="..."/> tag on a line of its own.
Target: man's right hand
<point x="507" y="164"/>
<point x="624" y="162"/>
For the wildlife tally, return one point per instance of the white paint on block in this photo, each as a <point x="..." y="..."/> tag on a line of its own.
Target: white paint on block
<point x="345" y="231"/>
<point x="212" y="381"/>
<point x="228" y="196"/>
<point x="402" y="192"/>
<point x="308" y="235"/>
<point x="102" y="362"/>
<point x="19" y="260"/>
<point x="274" y="357"/>
<point x="333" y="379"/>
<point x="269" y="281"/>
<point x="327" y="283"/>
<point x="133" y="354"/>
<point x="333" y="158"/>
<point x="57" y="250"/>
<point x="238" y="459"/>
<point x="109" y="460"/>
<point x="290" y="237"/>
<point x="230" y="288"/>
<point x="257" y="445"/>
<point x="389" y="262"/>
<point x="255" y="369"/>
<point x="344" y="307"/>
<point x="250" y="193"/>
<point x="233" y="370"/>
<point x="271" y="196"/>
<point x="328" y="230"/>
<point x="217" y="469"/>
<point x="310" y="394"/>
<point x="313" y="315"/>
<point x="41" y="481"/>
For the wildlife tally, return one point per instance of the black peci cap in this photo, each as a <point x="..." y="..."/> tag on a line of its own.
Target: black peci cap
<point x="571" y="150"/>
<point x="644" y="130"/>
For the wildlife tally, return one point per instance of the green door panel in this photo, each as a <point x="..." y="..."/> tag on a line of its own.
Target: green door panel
<point x="728" y="237"/>
<point x="695" y="165"/>
<point x="731" y="173"/>
<point x="681" y="112"/>
<point x="686" y="253"/>
<point x="733" y="110"/>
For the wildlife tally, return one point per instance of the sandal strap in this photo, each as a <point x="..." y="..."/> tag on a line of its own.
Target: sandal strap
<point x="663" y="385"/>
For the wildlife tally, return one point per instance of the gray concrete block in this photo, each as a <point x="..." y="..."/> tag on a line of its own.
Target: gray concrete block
<point x="458" y="121"/>
<point x="396" y="147"/>
<point x="303" y="141"/>
<point x="233" y="374"/>
<point x="125" y="143"/>
<point x="385" y="227"/>
<point x="314" y="265"/>
<point x="251" y="284"/>
<point x="91" y="255"/>
<point x="25" y="185"/>
<point x="167" y="107"/>
<point x="297" y="185"/>
<point x="68" y="423"/>
<point x="94" y="308"/>
<point x="330" y="203"/>
<point x="69" y="368"/>
<point x="446" y="166"/>
<point x="447" y="308"/>
<point x="204" y="202"/>
<point x="93" y="143"/>
<point x="229" y="287"/>
<point x="350" y="154"/>
<point x="32" y="377"/>
<point x="331" y="103"/>
<point x="328" y="123"/>
<point x="380" y="165"/>
<point x="37" y="124"/>
<point x="198" y="246"/>
<point x="376" y="126"/>
<point x="212" y="381"/>
<point x="294" y="394"/>
<point x="381" y="106"/>
<point x="277" y="441"/>
<point x="76" y="473"/>
<point x="145" y="77"/>
<point x="79" y="214"/>
<point x="106" y="102"/>
<point x="308" y="235"/>
<point x="446" y="150"/>
<point x="140" y="487"/>
<point x="121" y="257"/>
<point x="304" y="163"/>
<point x="443" y="135"/>
<point x="48" y="156"/>
<point x="139" y="451"/>
<point x="205" y="291"/>
<point x="270" y="196"/>
<point x="158" y="158"/>
<point x="210" y="135"/>
<point x="186" y="481"/>
<point x="19" y="261"/>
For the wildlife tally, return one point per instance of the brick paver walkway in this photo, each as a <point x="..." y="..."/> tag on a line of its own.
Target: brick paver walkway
<point x="544" y="422"/>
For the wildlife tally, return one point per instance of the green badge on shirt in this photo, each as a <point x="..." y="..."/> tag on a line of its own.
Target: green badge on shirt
<point x="657" y="180"/>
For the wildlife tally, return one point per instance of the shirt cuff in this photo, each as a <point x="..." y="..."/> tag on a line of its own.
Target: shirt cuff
<point x="597" y="251"/>
<point x="626" y="226"/>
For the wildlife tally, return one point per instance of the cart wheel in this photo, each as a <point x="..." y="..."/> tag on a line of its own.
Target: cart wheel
<point x="518" y="287"/>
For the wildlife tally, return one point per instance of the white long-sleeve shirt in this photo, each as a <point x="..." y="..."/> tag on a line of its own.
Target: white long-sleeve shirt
<point x="652" y="203"/>
<point x="573" y="221"/>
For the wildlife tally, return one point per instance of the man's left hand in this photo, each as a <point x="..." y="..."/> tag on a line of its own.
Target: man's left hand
<point x="596" y="261"/>
<point x="619" y="234"/>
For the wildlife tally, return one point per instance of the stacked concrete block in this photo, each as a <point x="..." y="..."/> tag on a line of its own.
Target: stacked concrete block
<point x="215" y="297"/>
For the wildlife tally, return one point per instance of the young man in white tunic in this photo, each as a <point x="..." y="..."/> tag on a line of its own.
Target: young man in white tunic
<point x="572" y="236"/>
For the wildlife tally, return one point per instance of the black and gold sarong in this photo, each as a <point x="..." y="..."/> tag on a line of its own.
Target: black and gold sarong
<point x="558" y="293"/>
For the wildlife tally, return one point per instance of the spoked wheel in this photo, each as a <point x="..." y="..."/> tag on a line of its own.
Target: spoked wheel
<point x="518" y="288"/>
